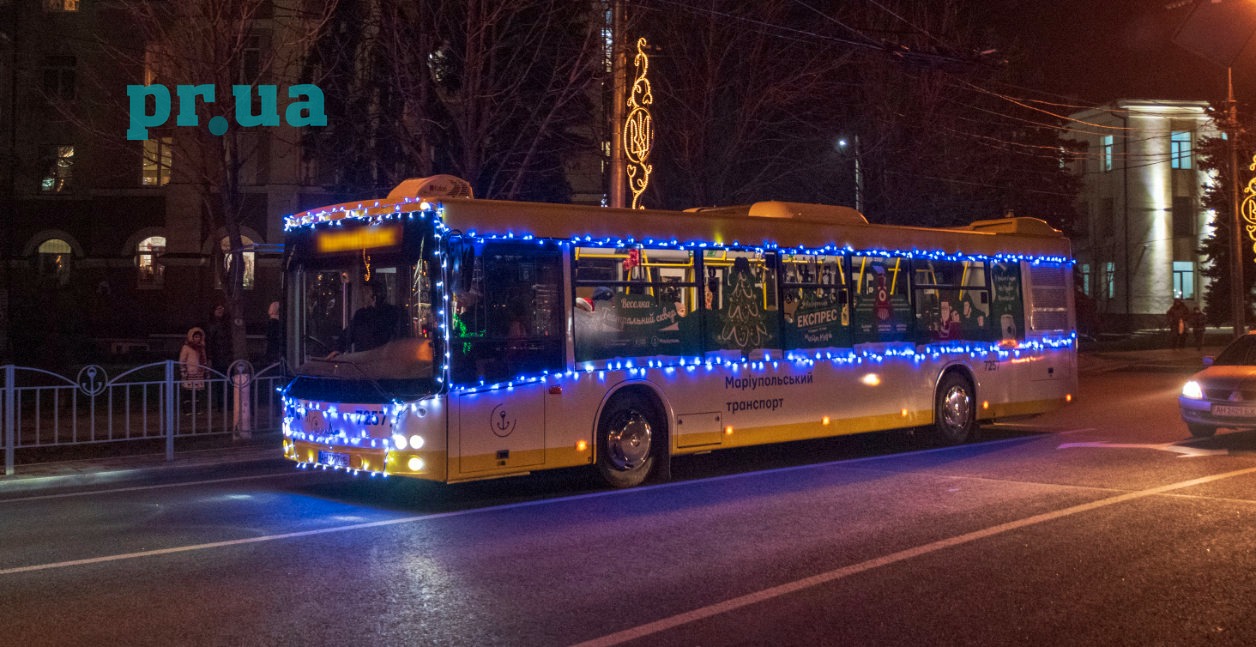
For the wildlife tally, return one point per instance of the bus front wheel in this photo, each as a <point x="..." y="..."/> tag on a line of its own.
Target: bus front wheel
<point x="627" y="434"/>
<point x="953" y="413"/>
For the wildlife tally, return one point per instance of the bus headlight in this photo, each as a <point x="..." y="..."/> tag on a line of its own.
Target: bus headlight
<point x="399" y="441"/>
<point x="1192" y="390"/>
<point x="416" y="442"/>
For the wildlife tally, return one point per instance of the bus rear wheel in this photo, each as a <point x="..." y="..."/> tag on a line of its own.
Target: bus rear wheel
<point x="627" y="435"/>
<point x="953" y="413"/>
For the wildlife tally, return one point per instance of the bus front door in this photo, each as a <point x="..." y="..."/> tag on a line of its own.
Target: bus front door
<point x="501" y="430"/>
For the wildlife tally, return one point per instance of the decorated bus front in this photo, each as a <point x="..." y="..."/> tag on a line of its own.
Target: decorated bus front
<point x="363" y="343"/>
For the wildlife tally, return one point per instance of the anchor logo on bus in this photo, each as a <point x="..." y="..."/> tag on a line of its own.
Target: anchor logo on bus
<point x="501" y="422"/>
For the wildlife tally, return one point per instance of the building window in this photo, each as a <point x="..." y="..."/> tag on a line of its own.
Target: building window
<point x="250" y="64"/>
<point x="1183" y="217"/>
<point x="60" y="6"/>
<point x="225" y="246"/>
<point x="153" y="58"/>
<point x="60" y="170"/>
<point x="54" y="260"/>
<point x="1180" y="149"/>
<point x="1108" y="146"/>
<point x="1085" y="277"/>
<point x="1184" y="279"/>
<point x="1109" y="280"/>
<point x="151" y="273"/>
<point x="59" y="78"/>
<point x="157" y="159"/>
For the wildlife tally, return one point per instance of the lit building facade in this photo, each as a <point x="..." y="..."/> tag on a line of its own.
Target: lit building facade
<point x="1142" y="214"/>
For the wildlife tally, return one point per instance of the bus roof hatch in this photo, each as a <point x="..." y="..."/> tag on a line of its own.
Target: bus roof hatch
<point x="435" y="186"/>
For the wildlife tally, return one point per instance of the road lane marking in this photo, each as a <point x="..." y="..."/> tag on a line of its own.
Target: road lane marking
<point x="719" y="608"/>
<point x="303" y="533"/>
<point x="1186" y="451"/>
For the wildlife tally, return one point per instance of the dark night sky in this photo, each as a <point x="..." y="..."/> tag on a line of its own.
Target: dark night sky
<point x="1095" y="51"/>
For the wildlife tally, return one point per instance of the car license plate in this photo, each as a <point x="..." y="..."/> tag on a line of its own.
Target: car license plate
<point x="1233" y="411"/>
<point x="333" y="459"/>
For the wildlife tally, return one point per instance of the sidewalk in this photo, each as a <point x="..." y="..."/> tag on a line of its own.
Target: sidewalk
<point x="1149" y="350"/>
<point x="101" y="471"/>
<point x="1183" y="360"/>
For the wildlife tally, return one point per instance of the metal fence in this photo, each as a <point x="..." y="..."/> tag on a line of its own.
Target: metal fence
<point x="42" y="409"/>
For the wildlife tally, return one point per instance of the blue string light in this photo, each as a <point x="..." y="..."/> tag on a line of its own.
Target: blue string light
<point x="360" y="430"/>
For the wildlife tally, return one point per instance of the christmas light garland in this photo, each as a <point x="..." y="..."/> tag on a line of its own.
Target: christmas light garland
<point x="353" y="430"/>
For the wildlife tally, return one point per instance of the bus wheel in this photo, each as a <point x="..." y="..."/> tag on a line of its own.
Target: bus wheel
<point x="626" y="435"/>
<point x="953" y="412"/>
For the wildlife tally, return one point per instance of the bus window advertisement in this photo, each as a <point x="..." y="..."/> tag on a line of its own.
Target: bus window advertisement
<point x="1008" y="309"/>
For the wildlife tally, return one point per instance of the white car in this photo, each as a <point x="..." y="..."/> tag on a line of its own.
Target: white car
<point x="1224" y="393"/>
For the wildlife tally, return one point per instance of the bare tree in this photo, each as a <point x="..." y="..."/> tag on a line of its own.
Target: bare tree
<point x="495" y="92"/>
<point x="750" y="99"/>
<point x="227" y="48"/>
<point x="744" y="92"/>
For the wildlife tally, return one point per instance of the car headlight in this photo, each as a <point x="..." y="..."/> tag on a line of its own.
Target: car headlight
<point x="1192" y="390"/>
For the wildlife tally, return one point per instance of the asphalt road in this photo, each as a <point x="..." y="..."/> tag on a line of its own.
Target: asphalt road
<point x="1098" y="524"/>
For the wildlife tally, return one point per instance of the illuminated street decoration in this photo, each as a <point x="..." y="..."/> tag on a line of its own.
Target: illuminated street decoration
<point x="639" y="128"/>
<point x="1248" y="208"/>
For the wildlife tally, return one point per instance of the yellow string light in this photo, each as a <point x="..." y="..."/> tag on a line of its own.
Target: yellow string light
<point x="1248" y="208"/>
<point x="639" y="128"/>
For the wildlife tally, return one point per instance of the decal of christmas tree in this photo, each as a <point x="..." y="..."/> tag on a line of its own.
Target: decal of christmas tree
<point x="743" y="324"/>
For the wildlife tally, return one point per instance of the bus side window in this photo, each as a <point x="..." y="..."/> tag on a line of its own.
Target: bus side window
<point x="881" y="310"/>
<point x="510" y="325"/>
<point x="744" y="313"/>
<point x="815" y="302"/>
<point x="952" y="301"/>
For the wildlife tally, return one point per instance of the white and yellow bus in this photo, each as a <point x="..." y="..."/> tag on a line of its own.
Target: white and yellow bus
<point x="522" y="336"/>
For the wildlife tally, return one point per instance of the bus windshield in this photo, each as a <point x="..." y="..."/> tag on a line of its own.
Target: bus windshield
<point x="366" y="317"/>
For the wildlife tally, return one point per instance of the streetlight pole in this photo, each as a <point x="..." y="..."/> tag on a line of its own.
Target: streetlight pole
<point x="619" y="77"/>
<point x="1238" y="306"/>
<point x="841" y="143"/>
<point x="858" y="177"/>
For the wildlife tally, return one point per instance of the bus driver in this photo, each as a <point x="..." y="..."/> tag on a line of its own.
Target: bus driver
<point x="374" y="324"/>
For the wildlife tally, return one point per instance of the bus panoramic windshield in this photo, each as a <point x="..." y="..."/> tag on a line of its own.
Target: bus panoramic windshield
<point x="365" y="319"/>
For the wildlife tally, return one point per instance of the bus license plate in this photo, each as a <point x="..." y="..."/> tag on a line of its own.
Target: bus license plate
<point x="1233" y="411"/>
<point x="333" y="459"/>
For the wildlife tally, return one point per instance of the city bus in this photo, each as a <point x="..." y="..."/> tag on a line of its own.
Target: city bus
<point x="520" y="337"/>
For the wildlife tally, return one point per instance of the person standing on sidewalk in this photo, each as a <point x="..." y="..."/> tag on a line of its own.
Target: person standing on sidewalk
<point x="192" y="366"/>
<point x="1198" y="323"/>
<point x="274" y="334"/>
<point x="1177" y="318"/>
<point x="218" y="339"/>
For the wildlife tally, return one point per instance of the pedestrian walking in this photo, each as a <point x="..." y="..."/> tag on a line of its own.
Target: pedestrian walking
<point x="192" y="367"/>
<point x="1199" y="322"/>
